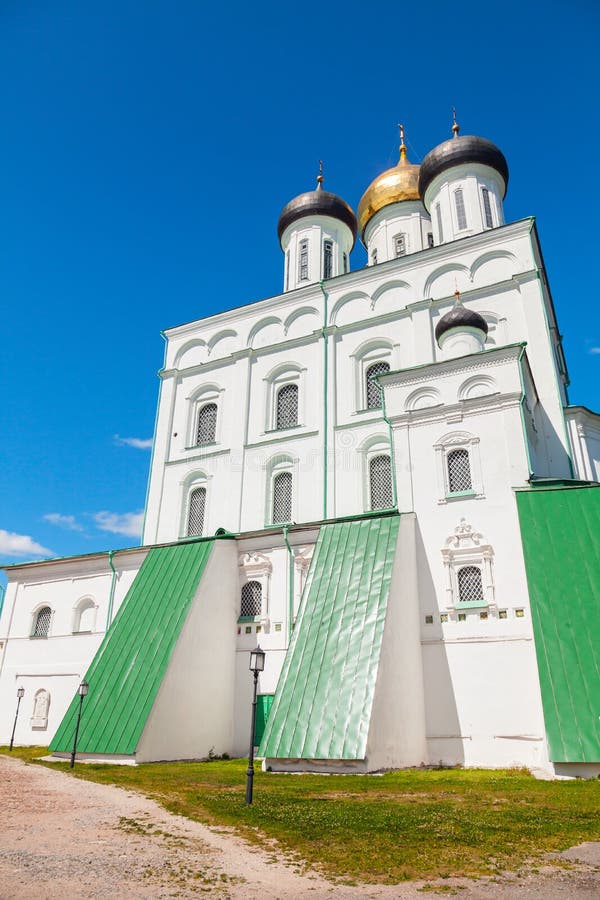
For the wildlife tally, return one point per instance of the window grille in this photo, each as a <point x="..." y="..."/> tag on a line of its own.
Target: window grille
<point x="251" y="599"/>
<point x="438" y="213"/>
<point x="380" y="477"/>
<point x="327" y="259"/>
<point x="400" y="245"/>
<point x="282" y="498"/>
<point x="41" y="628"/>
<point x="207" y="424"/>
<point x="459" y="471"/>
<point x="372" y="391"/>
<point x="287" y="406"/>
<point x="470" y="584"/>
<point x="429" y="239"/>
<point x="196" y="512"/>
<point x="303" y="261"/>
<point x="487" y="208"/>
<point x="461" y="215"/>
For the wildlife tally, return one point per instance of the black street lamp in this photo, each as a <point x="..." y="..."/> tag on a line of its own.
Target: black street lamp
<point x="257" y="664"/>
<point x="20" y="695"/>
<point x="82" y="691"/>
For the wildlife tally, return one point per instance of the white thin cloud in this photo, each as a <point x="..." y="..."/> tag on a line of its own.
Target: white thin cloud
<point x="594" y="350"/>
<point x="120" y="523"/>
<point x="12" y="544"/>
<point x="138" y="443"/>
<point x="69" y="523"/>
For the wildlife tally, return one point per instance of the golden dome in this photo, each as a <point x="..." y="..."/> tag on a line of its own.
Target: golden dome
<point x="392" y="186"/>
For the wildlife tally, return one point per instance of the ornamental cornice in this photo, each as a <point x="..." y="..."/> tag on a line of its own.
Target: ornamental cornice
<point x="444" y="368"/>
<point x="455" y="413"/>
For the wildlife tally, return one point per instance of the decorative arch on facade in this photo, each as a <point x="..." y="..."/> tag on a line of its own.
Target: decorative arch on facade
<point x="268" y="331"/>
<point x="41" y="621"/>
<point x="223" y="343"/>
<point x="200" y="430"/>
<point x="301" y="321"/>
<point x="423" y="398"/>
<point x="255" y="569"/>
<point x="461" y="279"/>
<point x="390" y="296"/>
<point x="458" y="466"/>
<point x="193" y="353"/>
<point x="84" y="615"/>
<point x="285" y="375"/>
<point x="477" y="386"/>
<point x="377" y="475"/>
<point x="376" y="352"/>
<point x="469" y="574"/>
<point x="281" y="489"/>
<point x="492" y="261"/>
<point x="341" y="312"/>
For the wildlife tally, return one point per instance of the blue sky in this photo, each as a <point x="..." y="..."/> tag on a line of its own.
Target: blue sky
<point x="146" y="151"/>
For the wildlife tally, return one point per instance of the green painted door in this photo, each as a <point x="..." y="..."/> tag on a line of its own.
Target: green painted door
<point x="263" y="707"/>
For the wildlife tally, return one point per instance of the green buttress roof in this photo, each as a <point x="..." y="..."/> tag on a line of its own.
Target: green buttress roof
<point x="322" y="707"/>
<point x="560" y="531"/>
<point x="128" y="668"/>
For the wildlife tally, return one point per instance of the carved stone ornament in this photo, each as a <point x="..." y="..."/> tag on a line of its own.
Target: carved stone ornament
<point x="255" y="564"/>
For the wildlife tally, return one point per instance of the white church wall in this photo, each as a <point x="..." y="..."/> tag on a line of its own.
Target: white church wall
<point x="584" y="434"/>
<point x="57" y="663"/>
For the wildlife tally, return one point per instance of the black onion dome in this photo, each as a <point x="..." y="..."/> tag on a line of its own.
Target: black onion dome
<point x="459" y="317"/>
<point x="465" y="148"/>
<point x="317" y="203"/>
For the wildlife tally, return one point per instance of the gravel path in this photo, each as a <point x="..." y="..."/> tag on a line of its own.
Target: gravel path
<point x="65" y="837"/>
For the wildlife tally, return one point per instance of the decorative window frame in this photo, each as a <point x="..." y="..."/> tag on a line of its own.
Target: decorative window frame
<point x="40" y="723"/>
<point x="253" y="566"/>
<point x="364" y="357"/>
<point x="290" y="373"/>
<point x="82" y="605"/>
<point x="34" y="616"/>
<point x="459" y="189"/>
<point x="208" y="393"/>
<point x="396" y="237"/>
<point x="376" y="445"/>
<point x="277" y="465"/>
<point x="194" y="480"/>
<point x="466" y="547"/>
<point x="458" y="440"/>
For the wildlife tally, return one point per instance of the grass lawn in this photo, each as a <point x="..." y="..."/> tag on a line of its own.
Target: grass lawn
<point x="388" y="828"/>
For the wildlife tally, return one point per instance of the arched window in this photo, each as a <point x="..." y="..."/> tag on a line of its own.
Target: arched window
<point x="251" y="604"/>
<point x="380" y="482"/>
<point x="286" y="413"/>
<point x="487" y="208"/>
<point x="41" y="627"/>
<point x="207" y="424"/>
<point x="461" y="215"/>
<point x="282" y="498"/>
<point x="470" y="584"/>
<point x="195" y="523"/>
<point x="459" y="471"/>
<point x="303" y="261"/>
<point x="438" y="213"/>
<point x="327" y="259"/>
<point x="372" y="392"/>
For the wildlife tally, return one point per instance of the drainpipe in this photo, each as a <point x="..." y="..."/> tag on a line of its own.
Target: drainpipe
<point x="325" y="391"/>
<point x="285" y="530"/>
<point x="160" y="384"/>
<point x="522" y="411"/>
<point x="111" y="596"/>
<point x="392" y="452"/>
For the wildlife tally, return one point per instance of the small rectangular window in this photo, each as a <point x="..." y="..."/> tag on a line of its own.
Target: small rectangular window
<point x="438" y="213"/>
<point x="374" y="257"/>
<point x="287" y="270"/>
<point x="430" y="240"/>
<point x="487" y="208"/>
<point x="303" y="261"/>
<point x="461" y="215"/>
<point x="400" y="245"/>
<point x="327" y="259"/>
<point x="345" y="263"/>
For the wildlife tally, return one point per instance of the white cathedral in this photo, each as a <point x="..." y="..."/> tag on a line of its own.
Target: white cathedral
<point x="377" y="476"/>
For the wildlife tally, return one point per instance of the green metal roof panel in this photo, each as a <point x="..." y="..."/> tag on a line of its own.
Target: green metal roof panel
<point x="128" y="668"/>
<point x="560" y="530"/>
<point x="323" y="702"/>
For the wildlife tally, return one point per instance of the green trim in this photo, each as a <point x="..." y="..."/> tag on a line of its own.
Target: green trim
<point x="392" y="451"/>
<point x="111" y="596"/>
<point x="471" y="604"/>
<point x="285" y="531"/>
<point x="456" y="495"/>
<point x="521" y="410"/>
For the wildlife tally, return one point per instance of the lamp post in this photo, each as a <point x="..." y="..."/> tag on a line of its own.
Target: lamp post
<point x="20" y="695"/>
<point x="82" y="691"/>
<point x="257" y="664"/>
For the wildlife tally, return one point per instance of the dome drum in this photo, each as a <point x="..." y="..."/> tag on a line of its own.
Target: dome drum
<point x="316" y="203"/>
<point x="459" y="151"/>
